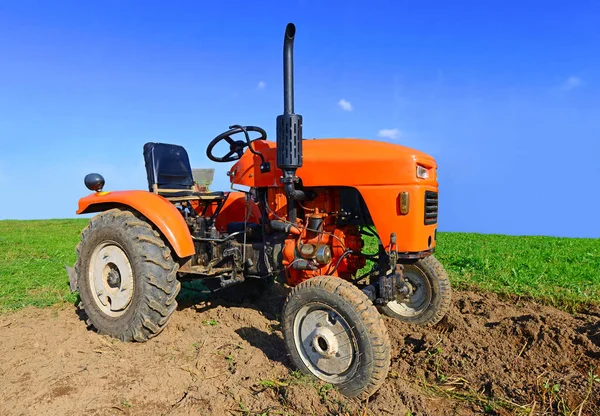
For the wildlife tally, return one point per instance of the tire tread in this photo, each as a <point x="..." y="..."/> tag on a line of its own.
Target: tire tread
<point x="158" y="274"/>
<point x="373" y="323"/>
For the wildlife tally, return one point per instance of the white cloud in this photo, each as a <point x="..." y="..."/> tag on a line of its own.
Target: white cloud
<point x="389" y="134"/>
<point x="571" y="83"/>
<point x="261" y="85"/>
<point x="345" y="105"/>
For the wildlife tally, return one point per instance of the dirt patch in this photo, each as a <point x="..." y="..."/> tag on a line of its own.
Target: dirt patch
<point x="489" y="355"/>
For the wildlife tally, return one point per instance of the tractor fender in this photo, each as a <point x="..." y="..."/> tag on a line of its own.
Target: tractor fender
<point x="155" y="208"/>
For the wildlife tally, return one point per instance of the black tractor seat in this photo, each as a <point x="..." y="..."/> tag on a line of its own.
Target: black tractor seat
<point x="170" y="174"/>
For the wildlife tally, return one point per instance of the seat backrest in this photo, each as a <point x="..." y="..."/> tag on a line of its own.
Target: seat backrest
<point x="167" y="167"/>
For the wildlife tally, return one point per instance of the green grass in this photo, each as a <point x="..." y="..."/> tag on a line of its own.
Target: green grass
<point x="564" y="272"/>
<point x="33" y="255"/>
<point x="560" y="271"/>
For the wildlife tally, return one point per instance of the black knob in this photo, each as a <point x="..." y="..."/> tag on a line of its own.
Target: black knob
<point x="94" y="182"/>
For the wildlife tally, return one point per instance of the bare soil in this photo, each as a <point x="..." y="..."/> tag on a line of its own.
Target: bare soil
<point x="500" y="356"/>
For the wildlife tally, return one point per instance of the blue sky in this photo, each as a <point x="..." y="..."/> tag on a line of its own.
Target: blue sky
<point x="504" y="94"/>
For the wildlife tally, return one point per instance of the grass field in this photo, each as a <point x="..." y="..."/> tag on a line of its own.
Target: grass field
<point x="33" y="255"/>
<point x="560" y="271"/>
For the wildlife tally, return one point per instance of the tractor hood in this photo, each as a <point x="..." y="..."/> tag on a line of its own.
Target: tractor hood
<point x="340" y="162"/>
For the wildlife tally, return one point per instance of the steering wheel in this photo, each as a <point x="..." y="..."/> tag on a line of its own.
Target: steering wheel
<point x="236" y="147"/>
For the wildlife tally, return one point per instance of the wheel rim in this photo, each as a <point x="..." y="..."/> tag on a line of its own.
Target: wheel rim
<point x="325" y="342"/>
<point x="420" y="294"/>
<point x="111" y="279"/>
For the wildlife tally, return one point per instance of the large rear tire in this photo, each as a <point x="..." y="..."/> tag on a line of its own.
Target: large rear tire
<point x="430" y="296"/>
<point x="126" y="276"/>
<point x="333" y="332"/>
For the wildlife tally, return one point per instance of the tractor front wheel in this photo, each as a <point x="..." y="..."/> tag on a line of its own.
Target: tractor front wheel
<point x="333" y="332"/>
<point x="429" y="294"/>
<point x="126" y="276"/>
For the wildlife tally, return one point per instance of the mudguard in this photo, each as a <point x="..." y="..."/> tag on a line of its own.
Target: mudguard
<point x="155" y="208"/>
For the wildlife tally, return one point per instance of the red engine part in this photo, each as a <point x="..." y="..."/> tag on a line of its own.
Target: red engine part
<point x="320" y="249"/>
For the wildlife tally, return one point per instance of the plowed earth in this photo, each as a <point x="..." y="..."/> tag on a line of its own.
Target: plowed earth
<point x="500" y="356"/>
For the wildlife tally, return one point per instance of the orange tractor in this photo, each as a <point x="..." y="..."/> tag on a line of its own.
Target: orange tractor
<point x="300" y="219"/>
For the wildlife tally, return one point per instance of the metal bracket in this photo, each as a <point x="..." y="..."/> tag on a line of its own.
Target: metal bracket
<point x="227" y="280"/>
<point x="393" y="251"/>
<point x="234" y="252"/>
<point x="73" y="284"/>
<point x="265" y="167"/>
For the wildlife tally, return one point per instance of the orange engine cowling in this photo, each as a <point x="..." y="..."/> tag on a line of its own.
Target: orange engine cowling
<point x="320" y="247"/>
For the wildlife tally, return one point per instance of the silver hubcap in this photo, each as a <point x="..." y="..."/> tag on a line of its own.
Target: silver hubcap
<point x="111" y="279"/>
<point x="325" y="342"/>
<point x="420" y="294"/>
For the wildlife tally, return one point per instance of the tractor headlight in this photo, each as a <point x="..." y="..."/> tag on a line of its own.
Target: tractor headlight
<point x="422" y="172"/>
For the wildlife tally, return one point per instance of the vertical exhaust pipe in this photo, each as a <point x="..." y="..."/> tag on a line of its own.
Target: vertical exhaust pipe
<point x="288" y="69"/>
<point x="289" y="128"/>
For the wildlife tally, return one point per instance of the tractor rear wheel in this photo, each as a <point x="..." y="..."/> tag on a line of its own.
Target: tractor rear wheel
<point x="333" y="332"/>
<point x="126" y="276"/>
<point x="429" y="297"/>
